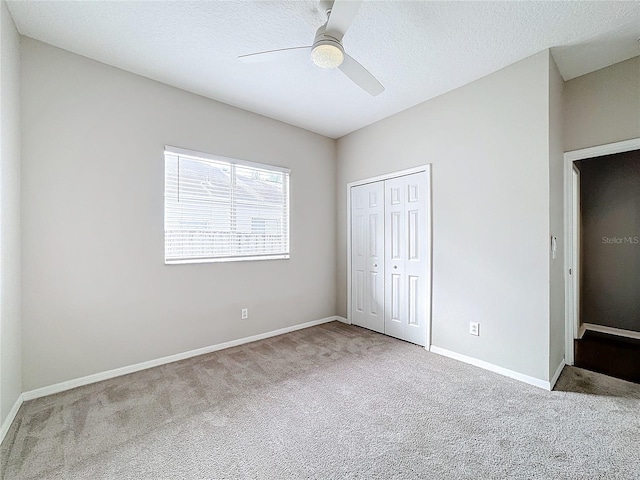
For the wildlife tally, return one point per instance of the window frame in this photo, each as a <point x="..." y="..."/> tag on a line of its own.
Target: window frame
<point x="202" y="156"/>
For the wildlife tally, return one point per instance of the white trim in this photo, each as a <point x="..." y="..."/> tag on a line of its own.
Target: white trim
<point x="581" y="332"/>
<point x="575" y="246"/>
<point x="556" y="375"/>
<point x="387" y="176"/>
<point x="279" y="256"/>
<point x="183" y="152"/>
<point x="349" y="253"/>
<point x="619" y="332"/>
<point x="572" y="261"/>
<point x="536" y="382"/>
<point x="429" y="274"/>
<point x="343" y="320"/>
<point x="6" y="425"/>
<point x="601" y="150"/>
<point x="568" y="259"/>
<point x="572" y="331"/>
<point x="117" y="372"/>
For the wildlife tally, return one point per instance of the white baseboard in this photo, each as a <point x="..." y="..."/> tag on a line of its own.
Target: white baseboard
<point x="11" y="417"/>
<point x="117" y="372"/>
<point x="536" y="382"/>
<point x="556" y="375"/>
<point x="581" y="331"/>
<point x="343" y="320"/>
<point x="610" y="330"/>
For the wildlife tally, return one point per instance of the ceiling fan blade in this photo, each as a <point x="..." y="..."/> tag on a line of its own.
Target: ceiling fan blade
<point x="342" y="14"/>
<point x="272" y="55"/>
<point x="360" y="76"/>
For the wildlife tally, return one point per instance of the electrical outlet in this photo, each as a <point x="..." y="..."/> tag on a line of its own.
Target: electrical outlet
<point x="245" y="313"/>
<point x="474" y="328"/>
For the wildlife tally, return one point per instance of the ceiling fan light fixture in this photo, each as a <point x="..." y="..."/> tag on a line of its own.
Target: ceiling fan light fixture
<point x="327" y="54"/>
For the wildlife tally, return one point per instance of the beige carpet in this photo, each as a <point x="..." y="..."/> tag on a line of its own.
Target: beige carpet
<point x="328" y="402"/>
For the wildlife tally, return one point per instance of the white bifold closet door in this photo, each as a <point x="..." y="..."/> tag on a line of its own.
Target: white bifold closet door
<point x="389" y="241"/>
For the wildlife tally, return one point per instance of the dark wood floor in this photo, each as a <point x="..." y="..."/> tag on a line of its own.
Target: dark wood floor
<point x="609" y="354"/>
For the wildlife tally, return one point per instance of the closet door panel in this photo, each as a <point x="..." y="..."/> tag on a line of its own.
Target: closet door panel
<point x="367" y="252"/>
<point x="406" y="262"/>
<point x="415" y="261"/>
<point x="395" y="251"/>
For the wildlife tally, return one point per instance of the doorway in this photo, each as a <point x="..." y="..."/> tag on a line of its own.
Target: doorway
<point x="389" y="254"/>
<point x="602" y="225"/>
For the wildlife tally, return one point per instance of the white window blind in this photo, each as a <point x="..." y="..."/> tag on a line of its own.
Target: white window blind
<point x="221" y="209"/>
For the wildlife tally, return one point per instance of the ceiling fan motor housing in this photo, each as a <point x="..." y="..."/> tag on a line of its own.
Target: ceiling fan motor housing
<point x="327" y="51"/>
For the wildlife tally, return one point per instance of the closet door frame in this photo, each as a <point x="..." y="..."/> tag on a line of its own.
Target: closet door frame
<point x="429" y="237"/>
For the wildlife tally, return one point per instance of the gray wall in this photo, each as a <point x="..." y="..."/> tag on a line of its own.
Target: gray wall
<point x="10" y="326"/>
<point x="489" y="145"/>
<point x="97" y="294"/>
<point x="556" y="219"/>
<point x="603" y="107"/>
<point x="610" y="241"/>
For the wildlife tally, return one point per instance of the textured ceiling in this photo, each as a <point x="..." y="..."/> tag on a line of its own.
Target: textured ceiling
<point x="417" y="49"/>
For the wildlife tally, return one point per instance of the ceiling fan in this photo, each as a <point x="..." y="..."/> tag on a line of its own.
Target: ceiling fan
<point x="327" y="50"/>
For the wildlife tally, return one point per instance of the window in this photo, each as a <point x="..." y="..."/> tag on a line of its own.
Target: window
<point x="220" y="209"/>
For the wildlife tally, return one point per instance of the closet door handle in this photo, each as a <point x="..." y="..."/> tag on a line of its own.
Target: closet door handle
<point x="395" y="266"/>
<point x="375" y="264"/>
